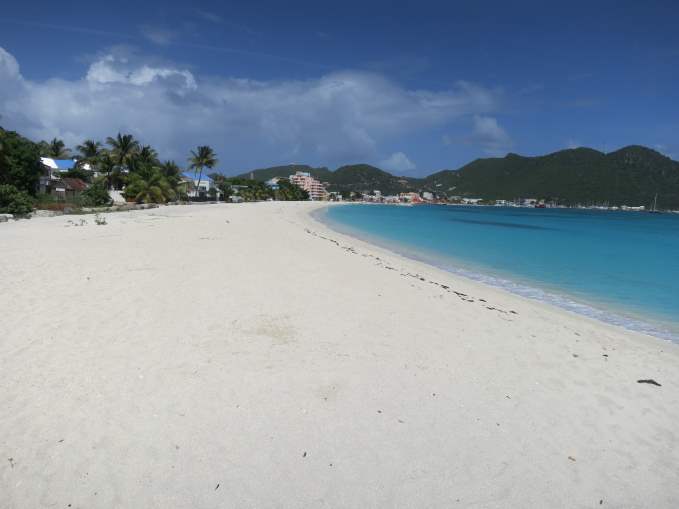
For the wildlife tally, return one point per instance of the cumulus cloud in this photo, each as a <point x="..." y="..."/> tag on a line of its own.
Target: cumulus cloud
<point x="398" y="162"/>
<point x="9" y="67"/>
<point x="488" y="134"/>
<point x="110" y="69"/>
<point x="333" y="119"/>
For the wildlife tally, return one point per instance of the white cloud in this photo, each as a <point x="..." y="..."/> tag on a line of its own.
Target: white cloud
<point x="111" y="69"/>
<point x="9" y="67"/>
<point x="398" y="162"/>
<point x="489" y="135"/>
<point x="336" y="118"/>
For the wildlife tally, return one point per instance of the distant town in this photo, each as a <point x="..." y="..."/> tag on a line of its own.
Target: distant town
<point x="317" y="190"/>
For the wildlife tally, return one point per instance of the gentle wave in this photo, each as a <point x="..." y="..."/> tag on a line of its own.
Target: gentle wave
<point x="564" y="302"/>
<point x="521" y="289"/>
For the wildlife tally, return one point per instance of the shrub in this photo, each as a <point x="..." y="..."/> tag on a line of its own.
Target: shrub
<point x="148" y="187"/>
<point x="13" y="201"/>
<point x="19" y="162"/>
<point x="96" y="195"/>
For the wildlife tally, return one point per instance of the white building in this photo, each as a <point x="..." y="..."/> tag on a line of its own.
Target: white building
<point x="198" y="189"/>
<point x="52" y="170"/>
<point x="471" y="201"/>
<point x="272" y="183"/>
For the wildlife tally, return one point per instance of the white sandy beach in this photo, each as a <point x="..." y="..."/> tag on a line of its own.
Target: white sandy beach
<point x="245" y="356"/>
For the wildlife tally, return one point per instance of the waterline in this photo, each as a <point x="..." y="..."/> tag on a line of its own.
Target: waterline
<point x="616" y="297"/>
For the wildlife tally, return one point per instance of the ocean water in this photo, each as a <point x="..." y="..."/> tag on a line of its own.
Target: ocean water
<point x="618" y="267"/>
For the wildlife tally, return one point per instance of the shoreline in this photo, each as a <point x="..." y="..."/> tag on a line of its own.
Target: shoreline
<point x="626" y="320"/>
<point x="480" y="287"/>
<point x="246" y="355"/>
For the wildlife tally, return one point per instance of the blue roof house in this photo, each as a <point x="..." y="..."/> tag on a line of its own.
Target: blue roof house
<point x="195" y="190"/>
<point x="52" y="169"/>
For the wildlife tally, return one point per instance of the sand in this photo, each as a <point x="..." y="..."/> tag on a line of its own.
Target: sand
<point x="245" y="356"/>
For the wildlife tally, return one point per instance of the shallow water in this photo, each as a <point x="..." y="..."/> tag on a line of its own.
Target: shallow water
<point x="619" y="267"/>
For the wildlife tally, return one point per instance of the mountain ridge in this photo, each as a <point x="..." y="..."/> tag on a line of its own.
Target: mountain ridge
<point x="631" y="175"/>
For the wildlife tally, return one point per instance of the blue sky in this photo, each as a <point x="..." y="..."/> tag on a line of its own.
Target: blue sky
<point x="413" y="87"/>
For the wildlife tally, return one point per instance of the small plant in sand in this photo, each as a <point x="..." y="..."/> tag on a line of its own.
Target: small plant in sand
<point x="100" y="220"/>
<point x="81" y="222"/>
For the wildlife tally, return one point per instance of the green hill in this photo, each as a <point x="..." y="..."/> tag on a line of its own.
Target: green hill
<point x="629" y="176"/>
<point x="264" y="174"/>
<point x="354" y="177"/>
<point x="366" y="178"/>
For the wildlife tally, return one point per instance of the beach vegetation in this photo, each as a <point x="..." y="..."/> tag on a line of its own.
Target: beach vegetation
<point x="147" y="156"/>
<point x="15" y="201"/>
<point x="19" y="162"/>
<point x="79" y="172"/>
<point x="96" y="195"/>
<point x="254" y="190"/>
<point x="170" y="170"/>
<point x="148" y="185"/>
<point x="55" y="149"/>
<point x="89" y="152"/>
<point x="123" y="148"/>
<point x="201" y="158"/>
<point x="287" y="191"/>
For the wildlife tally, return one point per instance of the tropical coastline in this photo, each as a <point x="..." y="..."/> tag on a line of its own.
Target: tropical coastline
<point x="416" y="236"/>
<point x="213" y="352"/>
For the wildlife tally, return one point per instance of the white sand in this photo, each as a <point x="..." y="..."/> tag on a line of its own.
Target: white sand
<point x="222" y="356"/>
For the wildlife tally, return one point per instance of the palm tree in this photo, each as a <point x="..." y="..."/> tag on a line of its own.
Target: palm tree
<point x="203" y="157"/>
<point x="147" y="156"/>
<point x="55" y="149"/>
<point x="89" y="152"/>
<point x="170" y="169"/>
<point x="171" y="172"/>
<point x="149" y="186"/>
<point x="123" y="147"/>
<point x="107" y="165"/>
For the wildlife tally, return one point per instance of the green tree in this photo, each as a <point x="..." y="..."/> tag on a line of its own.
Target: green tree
<point x="14" y="201"/>
<point x="203" y="157"/>
<point x="172" y="173"/>
<point x="89" y="152"/>
<point x="96" y="195"/>
<point x="288" y="191"/>
<point x="147" y="156"/>
<point x="19" y="162"/>
<point x="123" y="148"/>
<point x="256" y="191"/>
<point x="79" y="173"/>
<point x="55" y="149"/>
<point x="106" y="165"/>
<point x="148" y="185"/>
<point x="223" y="184"/>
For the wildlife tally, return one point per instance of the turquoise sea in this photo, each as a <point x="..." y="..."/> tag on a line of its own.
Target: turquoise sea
<point x="618" y="267"/>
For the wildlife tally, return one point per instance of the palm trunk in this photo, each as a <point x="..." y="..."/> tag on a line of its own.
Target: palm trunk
<point x="200" y="176"/>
